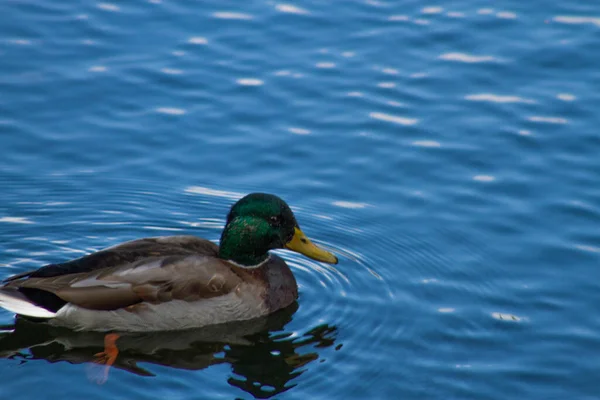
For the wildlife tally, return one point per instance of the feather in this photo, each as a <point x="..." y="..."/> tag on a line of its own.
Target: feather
<point x="16" y="302"/>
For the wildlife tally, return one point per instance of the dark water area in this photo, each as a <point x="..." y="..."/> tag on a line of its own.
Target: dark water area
<point x="447" y="152"/>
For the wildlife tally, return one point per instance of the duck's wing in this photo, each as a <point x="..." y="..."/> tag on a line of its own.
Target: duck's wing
<point x="152" y="279"/>
<point x="125" y="253"/>
<point x="151" y="269"/>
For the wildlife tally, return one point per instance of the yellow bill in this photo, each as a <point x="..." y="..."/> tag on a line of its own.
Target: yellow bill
<point x="302" y="245"/>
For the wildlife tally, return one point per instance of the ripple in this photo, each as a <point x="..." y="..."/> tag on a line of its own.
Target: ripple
<point x="548" y="120"/>
<point x="565" y="97"/>
<point x="401" y="18"/>
<point x="326" y="275"/>
<point x="325" y="65"/>
<point x="299" y="131"/>
<point x="390" y="71"/>
<point x="426" y="143"/>
<point x="21" y="42"/>
<point x="591" y="249"/>
<point x="349" y="204"/>
<point x="393" y="118"/>
<point x="290" y="9"/>
<point x="98" y="68"/>
<point x="506" y="317"/>
<point x="198" y="40"/>
<point x="340" y="294"/>
<point x="208" y="223"/>
<point x="16" y="220"/>
<point x="213" y="193"/>
<point x="446" y="310"/>
<point x="421" y="21"/>
<point x="232" y="15"/>
<point x="170" y="111"/>
<point x="250" y="82"/>
<point x="484" y="178"/>
<point x="498" y="99"/>
<point x="577" y="20"/>
<point x="171" y="71"/>
<point x="506" y="15"/>
<point x="162" y="228"/>
<point x="466" y="58"/>
<point x="108" y="7"/>
<point x="432" y="10"/>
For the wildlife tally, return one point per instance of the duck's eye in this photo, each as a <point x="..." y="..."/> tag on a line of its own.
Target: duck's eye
<point x="275" y="220"/>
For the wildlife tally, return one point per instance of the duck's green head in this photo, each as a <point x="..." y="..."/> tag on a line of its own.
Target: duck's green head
<point x="260" y="222"/>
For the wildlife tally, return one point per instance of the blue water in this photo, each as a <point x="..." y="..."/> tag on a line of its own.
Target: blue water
<point x="447" y="151"/>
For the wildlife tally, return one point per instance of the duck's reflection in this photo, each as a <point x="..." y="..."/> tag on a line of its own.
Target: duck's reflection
<point x="263" y="357"/>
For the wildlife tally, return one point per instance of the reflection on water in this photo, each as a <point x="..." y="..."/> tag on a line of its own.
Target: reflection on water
<point x="264" y="359"/>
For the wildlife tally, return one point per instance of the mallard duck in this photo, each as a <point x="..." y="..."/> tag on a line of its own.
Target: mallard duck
<point x="173" y="282"/>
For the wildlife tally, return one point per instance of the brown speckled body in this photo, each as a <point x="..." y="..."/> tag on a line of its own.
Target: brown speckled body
<point x="160" y="283"/>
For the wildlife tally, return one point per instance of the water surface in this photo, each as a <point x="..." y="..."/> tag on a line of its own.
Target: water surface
<point x="448" y="152"/>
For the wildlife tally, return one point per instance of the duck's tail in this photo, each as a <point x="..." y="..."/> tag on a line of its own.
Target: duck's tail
<point x="15" y="301"/>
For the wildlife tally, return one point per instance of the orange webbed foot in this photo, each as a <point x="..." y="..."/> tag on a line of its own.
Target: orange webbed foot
<point x="107" y="357"/>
